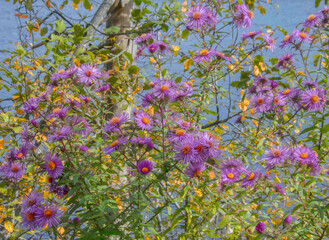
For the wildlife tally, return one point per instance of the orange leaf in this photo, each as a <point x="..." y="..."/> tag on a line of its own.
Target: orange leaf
<point x="21" y="15"/>
<point x="2" y="143"/>
<point x="9" y="226"/>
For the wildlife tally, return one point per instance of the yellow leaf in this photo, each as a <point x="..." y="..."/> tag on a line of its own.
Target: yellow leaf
<point x="60" y="230"/>
<point x="176" y="48"/>
<point x="20" y="111"/>
<point x="301" y="73"/>
<point x="252" y="111"/>
<point x="48" y="4"/>
<point x="15" y="97"/>
<point x="150" y="110"/>
<point x="256" y="71"/>
<point x="277" y="180"/>
<point x="224" y="126"/>
<point x="254" y="121"/>
<point x="288" y="204"/>
<point x="296" y="130"/>
<point x="75" y="6"/>
<point x="198" y="192"/>
<point x="21" y="15"/>
<point x="2" y="143"/>
<point x="9" y="226"/>
<point x="77" y="62"/>
<point x="187" y="64"/>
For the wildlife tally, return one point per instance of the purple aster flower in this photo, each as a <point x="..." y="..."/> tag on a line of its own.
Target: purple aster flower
<point x="251" y="34"/>
<point x="204" y="55"/>
<point x="53" y="166"/>
<point x="286" y="61"/>
<point x="185" y="150"/>
<point x="260" y="227"/>
<point x="230" y="175"/>
<point x="114" y="124"/>
<point x="13" y="170"/>
<point x="195" y="170"/>
<point x="81" y="125"/>
<point x="286" y="40"/>
<point x="143" y="120"/>
<point x="29" y="219"/>
<point x="83" y="148"/>
<point x="34" y="122"/>
<point x="115" y="145"/>
<point x="164" y="89"/>
<point x="21" y="153"/>
<point x="197" y="17"/>
<point x="304" y="155"/>
<point x="71" y="71"/>
<point x="163" y="48"/>
<point x="31" y="105"/>
<point x="261" y="81"/>
<point x="276" y="155"/>
<point x="274" y="84"/>
<point x="303" y="37"/>
<point x="139" y="53"/>
<point x="279" y="103"/>
<point x="31" y="201"/>
<point x="243" y="16"/>
<point x="102" y="88"/>
<point x="59" y="112"/>
<point x="76" y="220"/>
<point x="184" y="91"/>
<point x="145" y="166"/>
<point x="88" y="74"/>
<point x="250" y="178"/>
<point x="144" y="37"/>
<point x="313" y="99"/>
<point x="209" y="146"/>
<point x="261" y="103"/>
<point x="153" y="47"/>
<point x="143" y="141"/>
<point x="84" y="98"/>
<point x="177" y="135"/>
<point x="73" y="103"/>
<point x="184" y="124"/>
<point x="311" y="21"/>
<point x="61" y="74"/>
<point x="60" y="133"/>
<point x="239" y="119"/>
<point x="288" y="220"/>
<point x="48" y="215"/>
<point x="233" y="163"/>
<point x="221" y="56"/>
<point x="147" y="100"/>
<point x="310" y="84"/>
<point x="279" y="189"/>
<point x="270" y="42"/>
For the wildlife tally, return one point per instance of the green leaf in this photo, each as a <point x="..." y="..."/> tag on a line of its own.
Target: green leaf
<point x="133" y="70"/>
<point x="317" y="3"/>
<point x="226" y="220"/>
<point x="325" y="128"/>
<point x="60" y="26"/>
<point x="112" y="29"/>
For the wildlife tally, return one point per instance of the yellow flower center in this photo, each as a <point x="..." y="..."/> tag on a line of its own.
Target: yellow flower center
<point x="20" y="155"/>
<point x="143" y="35"/>
<point x="251" y="14"/>
<point x="276" y="101"/>
<point x="186" y="149"/>
<point x="52" y="165"/>
<point x="145" y="120"/>
<point x="114" y="144"/>
<point x="185" y="123"/>
<point x="303" y="155"/>
<point x="260" y="101"/>
<point x="230" y="175"/>
<point x="56" y="110"/>
<point x="314" y="99"/>
<point x="311" y="17"/>
<point x="30" y="216"/>
<point x="48" y="213"/>
<point x="30" y="202"/>
<point x="199" y="148"/>
<point x="114" y="120"/>
<point x="204" y="52"/>
<point x="286" y="38"/>
<point x="145" y="169"/>
<point x="302" y="35"/>
<point x="276" y="152"/>
<point x="88" y="73"/>
<point x="285" y="92"/>
<point x="14" y="169"/>
<point x="164" y="88"/>
<point x="61" y="71"/>
<point x="251" y="176"/>
<point x="196" y="15"/>
<point x="197" y="173"/>
<point x="180" y="132"/>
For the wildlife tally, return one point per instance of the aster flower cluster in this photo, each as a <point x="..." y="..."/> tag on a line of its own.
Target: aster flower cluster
<point x="206" y="55"/>
<point x="266" y="96"/>
<point x="242" y="16"/>
<point x="301" y="36"/>
<point x="38" y="213"/>
<point x="302" y="156"/>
